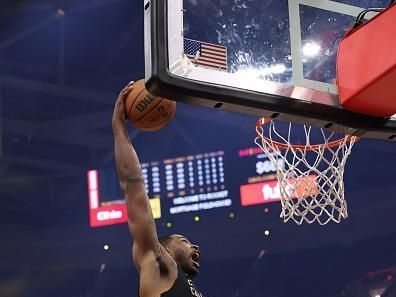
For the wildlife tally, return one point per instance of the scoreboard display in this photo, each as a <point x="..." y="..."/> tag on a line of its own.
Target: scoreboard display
<point x="188" y="184"/>
<point x="191" y="183"/>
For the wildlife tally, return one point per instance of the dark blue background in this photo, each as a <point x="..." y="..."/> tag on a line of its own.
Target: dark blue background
<point x="62" y="64"/>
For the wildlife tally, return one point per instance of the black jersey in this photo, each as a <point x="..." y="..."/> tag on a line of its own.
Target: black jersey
<point x="182" y="287"/>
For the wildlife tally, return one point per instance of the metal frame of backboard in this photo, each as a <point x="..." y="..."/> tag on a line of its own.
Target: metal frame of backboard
<point x="296" y="42"/>
<point x="169" y="73"/>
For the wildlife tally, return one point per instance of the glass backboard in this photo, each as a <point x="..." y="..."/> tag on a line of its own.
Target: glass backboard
<point x="268" y="58"/>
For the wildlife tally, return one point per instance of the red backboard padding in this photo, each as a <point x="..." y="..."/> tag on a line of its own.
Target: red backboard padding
<point x="366" y="66"/>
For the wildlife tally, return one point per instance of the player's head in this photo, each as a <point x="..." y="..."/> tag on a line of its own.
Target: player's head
<point x="183" y="252"/>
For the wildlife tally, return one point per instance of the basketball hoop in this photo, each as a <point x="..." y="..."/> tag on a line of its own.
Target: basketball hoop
<point x="310" y="175"/>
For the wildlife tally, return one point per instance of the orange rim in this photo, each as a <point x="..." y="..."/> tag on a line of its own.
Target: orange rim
<point x="312" y="147"/>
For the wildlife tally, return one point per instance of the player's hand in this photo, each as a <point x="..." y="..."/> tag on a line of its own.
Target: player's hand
<point x="119" y="115"/>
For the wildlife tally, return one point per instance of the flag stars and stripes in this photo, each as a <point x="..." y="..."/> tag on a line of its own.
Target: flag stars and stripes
<point x="206" y="54"/>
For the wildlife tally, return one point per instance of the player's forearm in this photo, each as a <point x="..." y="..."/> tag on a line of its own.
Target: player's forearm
<point x="140" y="219"/>
<point x="127" y="161"/>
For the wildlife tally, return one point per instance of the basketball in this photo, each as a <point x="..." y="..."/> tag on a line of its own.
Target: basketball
<point x="146" y="111"/>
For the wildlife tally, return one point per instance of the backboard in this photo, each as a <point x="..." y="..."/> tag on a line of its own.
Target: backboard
<point x="266" y="58"/>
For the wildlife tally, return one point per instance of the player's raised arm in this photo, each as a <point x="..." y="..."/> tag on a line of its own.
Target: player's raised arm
<point x="140" y="218"/>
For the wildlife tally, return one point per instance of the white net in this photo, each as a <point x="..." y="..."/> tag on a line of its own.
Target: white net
<point x="310" y="175"/>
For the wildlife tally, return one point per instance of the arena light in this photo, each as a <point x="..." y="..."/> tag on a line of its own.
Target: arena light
<point x="311" y="49"/>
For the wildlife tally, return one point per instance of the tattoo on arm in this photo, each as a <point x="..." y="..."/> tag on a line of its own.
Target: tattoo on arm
<point x="133" y="181"/>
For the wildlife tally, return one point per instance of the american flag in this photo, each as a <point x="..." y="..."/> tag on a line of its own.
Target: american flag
<point x="206" y="54"/>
